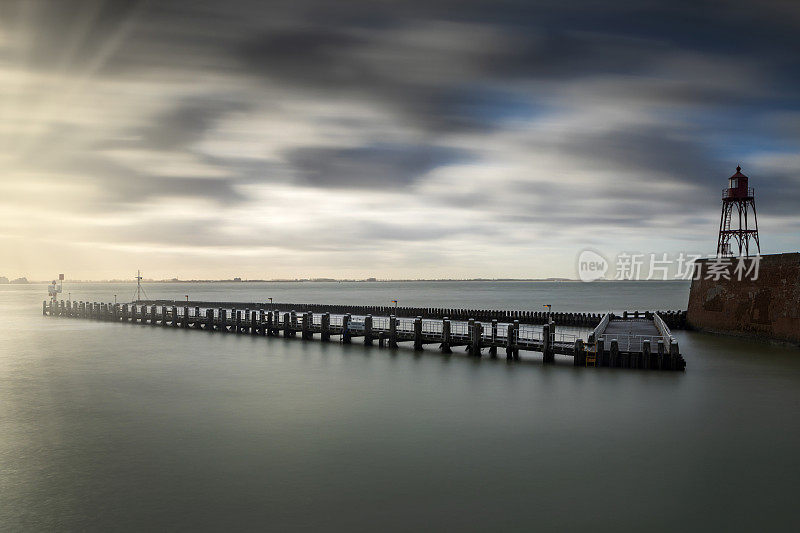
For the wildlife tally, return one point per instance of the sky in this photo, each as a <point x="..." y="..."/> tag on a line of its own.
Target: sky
<point x="421" y="139"/>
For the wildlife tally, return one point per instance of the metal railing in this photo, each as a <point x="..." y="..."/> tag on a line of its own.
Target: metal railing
<point x="432" y="326"/>
<point x="405" y="324"/>
<point x="563" y="338"/>
<point x="737" y="192"/>
<point x="459" y="330"/>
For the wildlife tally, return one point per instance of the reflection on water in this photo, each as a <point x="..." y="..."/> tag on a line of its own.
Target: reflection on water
<point x="108" y="426"/>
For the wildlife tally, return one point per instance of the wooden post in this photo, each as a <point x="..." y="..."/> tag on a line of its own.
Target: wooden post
<point x="368" y="330"/>
<point x="673" y="355"/>
<point x="614" y="357"/>
<point x="253" y="323"/>
<point x="209" y="320"/>
<point x="551" y="353"/>
<point x="269" y="322"/>
<point x="287" y="325"/>
<point x="446" y="337"/>
<point x="470" y="335"/>
<point x="237" y="328"/>
<point x="646" y="354"/>
<point x="393" y="331"/>
<point x="325" y="326"/>
<point x="510" y="342"/>
<point x="346" y="328"/>
<point x="546" y="339"/>
<point x="476" y="342"/>
<point x="418" y="333"/>
<point x="600" y="355"/>
<point x="305" y="328"/>
<point x="44" y="308"/>
<point x="493" y="347"/>
<point x="196" y="322"/>
<point x="661" y="361"/>
<point x="580" y="353"/>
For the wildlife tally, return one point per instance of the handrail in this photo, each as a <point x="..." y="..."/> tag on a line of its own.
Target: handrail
<point x="663" y="328"/>
<point x="601" y="327"/>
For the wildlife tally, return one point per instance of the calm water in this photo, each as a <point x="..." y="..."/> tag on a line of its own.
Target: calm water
<point x="120" y="427"/>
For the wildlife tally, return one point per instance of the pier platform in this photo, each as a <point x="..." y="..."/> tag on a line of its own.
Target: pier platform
<point x="638" y="340"/>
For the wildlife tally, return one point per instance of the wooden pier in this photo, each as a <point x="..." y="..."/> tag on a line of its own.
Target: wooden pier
<point x="630" y="341"/>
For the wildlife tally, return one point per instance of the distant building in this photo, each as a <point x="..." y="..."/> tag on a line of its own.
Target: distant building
<point x="371" y="279"/>
<point x="3" y="279"/>
<point x="20" y="281"/>
<point x="237" y="279"/>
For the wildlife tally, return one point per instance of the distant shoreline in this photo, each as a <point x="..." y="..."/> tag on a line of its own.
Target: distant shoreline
<point x="329" y="280"/>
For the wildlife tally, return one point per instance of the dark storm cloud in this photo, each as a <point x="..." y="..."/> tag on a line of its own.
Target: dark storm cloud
<point x="377" y="166"/>
<point x="121" y="186"/>
<point x="185" y="124"/>
<point x="661" y="153"/>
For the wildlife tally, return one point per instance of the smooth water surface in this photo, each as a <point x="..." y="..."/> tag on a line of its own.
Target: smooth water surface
<point x="128" y="427"/>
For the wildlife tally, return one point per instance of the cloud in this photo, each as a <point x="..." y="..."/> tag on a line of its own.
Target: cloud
<point x="420" y="130"/>
<point x="375" y="166"/>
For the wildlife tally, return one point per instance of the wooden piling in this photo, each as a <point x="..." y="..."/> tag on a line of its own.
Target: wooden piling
<point x="368" y="330"/>
<point x="346" y="328"/>
<point x="305" y="330"/>
<point x="476" y="338"/>
<point x="393" y="331"/>
<point x="418" y="333"/>
<point x="493" y="346"/>
<point x="614" y="354"/>
<point x="579" y="356"/>
<point x="546" y="340"/>
<point x="446" y="336"/>
<point x="325" y="326"/>
<point x="510" y="340"/>
<point x="673" y="355"/>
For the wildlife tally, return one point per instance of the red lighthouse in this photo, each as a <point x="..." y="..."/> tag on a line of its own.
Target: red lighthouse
<point x="737" y="199"/>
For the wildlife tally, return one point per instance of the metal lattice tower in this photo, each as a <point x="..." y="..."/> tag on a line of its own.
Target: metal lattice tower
<point x="737" y="199"/>
<point x="139" y="288"/>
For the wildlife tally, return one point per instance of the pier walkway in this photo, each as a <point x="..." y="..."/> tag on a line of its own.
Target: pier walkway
<point x="630" y="348"/>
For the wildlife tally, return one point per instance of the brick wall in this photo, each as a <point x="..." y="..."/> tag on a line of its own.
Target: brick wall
<point x="767" y="307"/>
